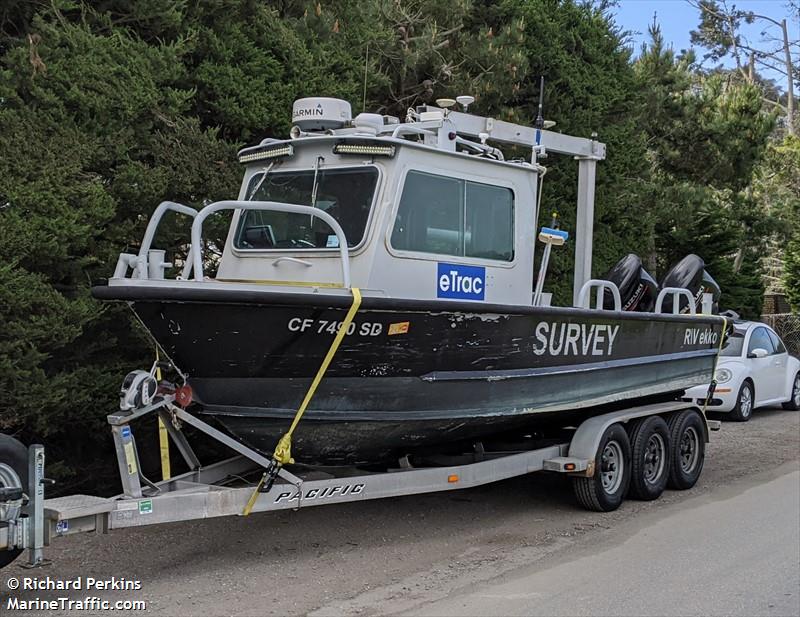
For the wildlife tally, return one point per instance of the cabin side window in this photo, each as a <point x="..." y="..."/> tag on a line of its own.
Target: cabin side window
<point x="449" y="216"/>
<point x="345" y="194"/>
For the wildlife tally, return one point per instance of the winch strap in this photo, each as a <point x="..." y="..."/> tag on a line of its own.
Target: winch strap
<point x="282" y="452"/>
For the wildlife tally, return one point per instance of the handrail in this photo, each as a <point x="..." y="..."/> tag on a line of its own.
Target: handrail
<point x="411" y="130"/>
<point x="197" y="227"/>
<point x="676" y="293"/>
<point x="293" y="260"/>
<point x="150" y="234"/>
<point x="481" y="147"/>
<point x="584" y="296"/>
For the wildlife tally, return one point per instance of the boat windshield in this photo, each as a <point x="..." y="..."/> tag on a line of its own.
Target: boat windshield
<point x="345" y="194"/>
<point x="734" y="345"/>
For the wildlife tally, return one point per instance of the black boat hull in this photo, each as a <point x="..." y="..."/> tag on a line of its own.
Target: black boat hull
<point x="411" y="374"/>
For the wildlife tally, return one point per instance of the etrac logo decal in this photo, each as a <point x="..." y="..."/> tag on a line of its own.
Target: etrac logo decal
<point x="461" y="282"/>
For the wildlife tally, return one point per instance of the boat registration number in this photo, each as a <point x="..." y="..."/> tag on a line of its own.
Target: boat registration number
<point x="324" y="326"/>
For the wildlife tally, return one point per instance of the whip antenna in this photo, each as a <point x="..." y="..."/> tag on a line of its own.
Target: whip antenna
<point x="366" y="66"/>
<point x="539" y="123"/>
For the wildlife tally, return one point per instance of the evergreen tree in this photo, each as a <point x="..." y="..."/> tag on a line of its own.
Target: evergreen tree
<point x="94" y="121"/>
<point x="706" y="135"/>
<point x="778" y="189"/>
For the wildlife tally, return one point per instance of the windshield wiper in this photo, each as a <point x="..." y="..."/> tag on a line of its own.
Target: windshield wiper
<point x="319" y="161"/>
<point x="261" y="181"/>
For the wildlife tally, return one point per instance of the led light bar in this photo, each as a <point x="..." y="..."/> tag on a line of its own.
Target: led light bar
<point x="368" y="149"/>
<point x="269" y="153"/>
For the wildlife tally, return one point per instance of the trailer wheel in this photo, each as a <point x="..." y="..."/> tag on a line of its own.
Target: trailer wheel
<point x="606" y="489"/>
<point x="687" y="448"/>
<point x="14" y="474"/>
<point x="650" y="447"/>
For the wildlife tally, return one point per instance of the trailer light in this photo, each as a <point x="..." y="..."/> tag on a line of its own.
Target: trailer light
<point x="452" y="479"/>
<point x="569" y="467"/>
<point x="265" y="154"/>
<point x="368" y="149"/>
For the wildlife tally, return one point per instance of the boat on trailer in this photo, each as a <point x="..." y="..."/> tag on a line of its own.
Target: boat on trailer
<point x="382" y="273"/>
<point x="376" y="304"/>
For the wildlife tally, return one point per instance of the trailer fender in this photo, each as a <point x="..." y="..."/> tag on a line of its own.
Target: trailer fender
<point x="586" y="440"/>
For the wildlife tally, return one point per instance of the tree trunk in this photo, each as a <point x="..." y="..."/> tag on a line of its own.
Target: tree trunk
<point x="790" y="81"/>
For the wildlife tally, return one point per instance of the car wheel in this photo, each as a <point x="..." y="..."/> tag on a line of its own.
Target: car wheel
<point x="794" y="402"/>
<point x="745" y="400"/>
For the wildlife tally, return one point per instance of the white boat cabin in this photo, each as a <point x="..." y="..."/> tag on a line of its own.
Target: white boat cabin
<point x="428" y="208"/>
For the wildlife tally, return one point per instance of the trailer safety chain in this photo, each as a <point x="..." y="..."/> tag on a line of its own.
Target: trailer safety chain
<point x="713" y="385"/>
<point x="283" y="451"/>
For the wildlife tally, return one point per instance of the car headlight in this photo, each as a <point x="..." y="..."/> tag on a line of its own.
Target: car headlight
<point x="723" y="375"/>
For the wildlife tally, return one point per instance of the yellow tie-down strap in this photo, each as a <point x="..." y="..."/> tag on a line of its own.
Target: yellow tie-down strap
<point x="716" y="358"/>
<point x="163" y="436"/>
<point x="283" y="451"/>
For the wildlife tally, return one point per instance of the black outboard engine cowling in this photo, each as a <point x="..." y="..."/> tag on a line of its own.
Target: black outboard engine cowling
<point x="637" y="289"/>
<point x="690" y="273"/>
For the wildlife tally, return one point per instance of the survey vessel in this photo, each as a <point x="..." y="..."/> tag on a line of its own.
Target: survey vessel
<point x="379" y="276"/>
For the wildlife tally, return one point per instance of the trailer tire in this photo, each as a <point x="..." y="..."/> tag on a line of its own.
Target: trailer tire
<point x="687" y="448"/>
<point x="650" y="449"/>
<point x="15" y="455"/>
<point x="606" y="489"/>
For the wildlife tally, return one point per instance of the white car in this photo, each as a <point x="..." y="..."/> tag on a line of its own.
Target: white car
<point x="753" y="370"/>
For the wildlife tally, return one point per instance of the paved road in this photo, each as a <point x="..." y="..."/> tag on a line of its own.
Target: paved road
<point x="734" y="555"/>
<point x="424" y="554"/>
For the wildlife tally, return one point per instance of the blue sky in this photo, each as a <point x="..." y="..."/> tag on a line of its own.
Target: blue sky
<point x="677" y="18"/>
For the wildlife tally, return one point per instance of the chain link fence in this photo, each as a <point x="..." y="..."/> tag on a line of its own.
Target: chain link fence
<point x="787" y="325"/>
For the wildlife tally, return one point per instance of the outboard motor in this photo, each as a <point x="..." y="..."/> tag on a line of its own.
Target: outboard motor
<point x="690" y="273"/>
<point x="637" y="289"/>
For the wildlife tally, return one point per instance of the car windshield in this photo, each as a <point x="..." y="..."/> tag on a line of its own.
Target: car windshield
<point x="734" y="345"/>
<point x="345" y="194"/>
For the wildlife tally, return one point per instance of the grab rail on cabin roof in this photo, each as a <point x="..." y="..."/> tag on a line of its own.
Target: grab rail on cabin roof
<point x="197" y="230"/>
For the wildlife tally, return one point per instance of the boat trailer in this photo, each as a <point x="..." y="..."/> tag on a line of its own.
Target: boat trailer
<point x="30" y="521"/>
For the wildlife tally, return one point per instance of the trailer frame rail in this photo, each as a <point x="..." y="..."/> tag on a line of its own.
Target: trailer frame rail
<point x="211" y="491"/>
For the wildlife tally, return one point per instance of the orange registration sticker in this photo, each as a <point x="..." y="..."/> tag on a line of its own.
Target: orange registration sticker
<point x="398" y="328"/>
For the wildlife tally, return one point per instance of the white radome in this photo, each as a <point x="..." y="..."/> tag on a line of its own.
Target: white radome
<point x="320" y="113"/>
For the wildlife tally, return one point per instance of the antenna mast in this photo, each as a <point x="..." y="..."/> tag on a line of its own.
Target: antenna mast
<point x="539" y="123"/>
<point x="366" y="67"/>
